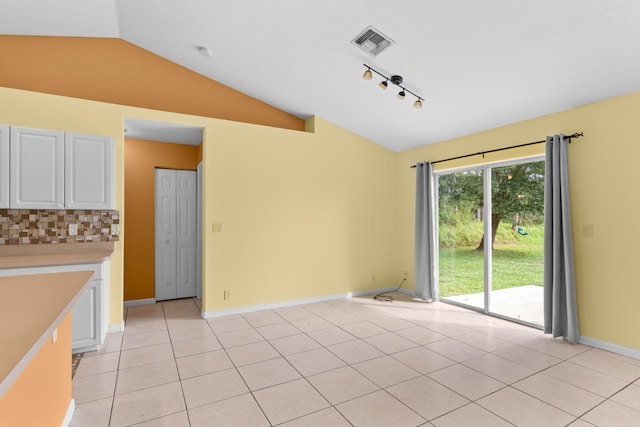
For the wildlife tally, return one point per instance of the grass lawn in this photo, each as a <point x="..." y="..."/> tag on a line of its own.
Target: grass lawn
<point x="518" y="262"/>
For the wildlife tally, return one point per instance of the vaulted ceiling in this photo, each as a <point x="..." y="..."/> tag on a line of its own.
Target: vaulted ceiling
<point x="478" y="65"/>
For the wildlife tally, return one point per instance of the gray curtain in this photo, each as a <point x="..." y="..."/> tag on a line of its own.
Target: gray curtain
<point x="560" y="311"/>
<point x="425" y="239"/>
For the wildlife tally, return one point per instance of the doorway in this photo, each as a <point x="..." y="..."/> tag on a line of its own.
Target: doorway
<point x="490" y="239"/>
<point x="175" y="234"/>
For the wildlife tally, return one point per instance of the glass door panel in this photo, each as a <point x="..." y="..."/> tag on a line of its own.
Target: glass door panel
<point x="517" y="197"/>
<point x="460" y="231"/>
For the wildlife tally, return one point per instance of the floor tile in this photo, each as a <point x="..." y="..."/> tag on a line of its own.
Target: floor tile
<point x="556" y="347"/>
<point x="444" y="327"/>
<point x="427" y="397"/>
<point x="580" y="423"/>
<point x="203" y="363"/>
<point x="315" y="361"/>
<point x="330" y="336"/>
<point x="94" y="387"/>
<point x="268" y="373"/>
<point x="290" y="400"/>
<point x="363" y="329"/>
<point x="145" y="339"/>
<point x="355" y="351"/>
<point x="112" y="343"/>
<point x="97" y="365"/>
<point x="420" y="335"/>
<point x="390" y="343"/>
<point x="612" y="414"/>
<point x="379" y="409"/>
<point x="342" y="319"/>
<point x="237" y="411"/>
<point x="179" y="419"/>
<point x="385" y="371"/>
<point x="213" y="387"/>
<point x="231" y="325"/>
<point x="340" y="385"/>
<point x="599" y="361"/>
<point x="145" y="376"/>
<point x="311" y="324"/>
<point x="196" y="345"/>
<point x="423" y="360"/>
<point x="567" y="397"/>
<point x="467" y="382"/>
<point x="263" y="319"/>
<point x="278" y="330"/>
<point x="523" y="410"/>
<point x="147" y="404"/>
<point x="294" y="313"/>
<point x="94" y="414"/>
<point x="526" y="357"/>
<point x="202" y="329"/>
<point x="326" y="417"/>
<point x="455" y="350"/>
<point x="630" y="397"/>
<point x="499" y="368"/>
<point x="144" y="355"/>
<point x="392" y="323"/>
<point x="470" y="415"/>
<point x="252" y="353"/>
<point x="235" y="339"/>
<point x="293" y="344"/>
<point x="482" y="341"/>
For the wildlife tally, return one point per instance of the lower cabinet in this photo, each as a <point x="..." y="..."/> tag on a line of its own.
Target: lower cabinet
<point x="90" y="313"/>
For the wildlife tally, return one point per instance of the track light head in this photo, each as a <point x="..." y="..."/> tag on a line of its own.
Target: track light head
<point x="401" y="94"/>
<point x="417" y="104"/>
<point x="368" y="75"/>
<point x="383" y="85"/>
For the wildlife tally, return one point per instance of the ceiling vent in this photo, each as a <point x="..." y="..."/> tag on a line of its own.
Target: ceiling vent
<point x="372" y="41"/>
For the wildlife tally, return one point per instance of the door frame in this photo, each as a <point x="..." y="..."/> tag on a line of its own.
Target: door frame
<point x="488" y="260"/>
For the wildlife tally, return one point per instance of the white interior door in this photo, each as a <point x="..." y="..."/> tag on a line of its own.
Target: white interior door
<point x="175" y="234"/>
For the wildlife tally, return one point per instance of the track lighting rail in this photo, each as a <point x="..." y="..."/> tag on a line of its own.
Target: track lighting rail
<point x="396" y="80"/>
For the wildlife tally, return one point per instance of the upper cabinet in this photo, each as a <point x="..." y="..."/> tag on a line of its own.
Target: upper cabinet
<point x="57" y="170"/>
<point x="89" y="164"/>
<point x="37" y="169"/>
<point x="4" y="167"/>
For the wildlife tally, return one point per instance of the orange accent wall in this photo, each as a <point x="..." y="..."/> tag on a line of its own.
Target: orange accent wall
<point x="118" y="72"/>
<point x="42" y="393"/>
<point x="140" y="160"/>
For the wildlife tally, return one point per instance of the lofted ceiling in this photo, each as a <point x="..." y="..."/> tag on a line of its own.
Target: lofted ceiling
<point x="478" y="65"/>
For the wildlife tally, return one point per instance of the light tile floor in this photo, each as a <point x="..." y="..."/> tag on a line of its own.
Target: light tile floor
<point x="353" y="362"/>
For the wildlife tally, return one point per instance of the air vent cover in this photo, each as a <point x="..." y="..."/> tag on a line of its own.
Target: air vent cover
<point x="372" y="41"/>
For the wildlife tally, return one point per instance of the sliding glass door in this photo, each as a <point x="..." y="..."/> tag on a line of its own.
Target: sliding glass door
<point x="490" y="223"/>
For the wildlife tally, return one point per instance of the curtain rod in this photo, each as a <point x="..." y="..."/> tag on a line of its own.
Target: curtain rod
<point x="575" y="135"/>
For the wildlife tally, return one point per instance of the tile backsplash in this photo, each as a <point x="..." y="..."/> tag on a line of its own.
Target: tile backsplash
<point x="35" y="227"/>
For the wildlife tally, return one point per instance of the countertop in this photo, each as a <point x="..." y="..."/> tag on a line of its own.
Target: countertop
<point x="17" y="256"/>
<point x="31" y="307"/>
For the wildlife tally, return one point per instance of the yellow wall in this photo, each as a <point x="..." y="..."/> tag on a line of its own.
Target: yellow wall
<point x="604" y="194"/>
<point x="41" y="395"/>
<point x="115" y="71"/>
<point x="305" y="214"/>
<point x="140" y="160"/>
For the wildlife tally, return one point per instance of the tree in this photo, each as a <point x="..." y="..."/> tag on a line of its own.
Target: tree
<point x="515" y="190"/>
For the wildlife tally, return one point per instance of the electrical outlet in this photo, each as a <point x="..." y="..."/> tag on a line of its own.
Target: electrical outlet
<point x="227" y="294"/>
<point x="115" y="229"/>
<point x="73" y="229"/>
<point x="217" y="227"/>
<point x="373" y="277"/>
<point x="587" y="231"/>
<point x="405" y="275"/>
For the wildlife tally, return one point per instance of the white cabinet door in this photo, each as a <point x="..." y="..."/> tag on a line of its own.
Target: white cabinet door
<point x="89" y="163"/>
<point x="4" y="167"/>
<point x="37" y="169"/>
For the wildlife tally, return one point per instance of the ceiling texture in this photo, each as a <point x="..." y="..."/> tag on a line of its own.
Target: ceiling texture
<point x="477" y="64"/>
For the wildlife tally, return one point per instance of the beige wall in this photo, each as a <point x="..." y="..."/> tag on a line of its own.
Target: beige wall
<point x="305" y="214"/>
<point x="604" y="194"/>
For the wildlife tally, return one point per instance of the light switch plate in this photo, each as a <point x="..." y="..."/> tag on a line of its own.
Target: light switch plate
<point x="73" y="229"/>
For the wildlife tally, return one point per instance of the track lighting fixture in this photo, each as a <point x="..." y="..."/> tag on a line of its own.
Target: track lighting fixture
<point x="396" y="80"/>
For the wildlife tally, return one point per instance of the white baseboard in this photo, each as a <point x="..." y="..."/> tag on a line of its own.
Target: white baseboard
<point x="134" y="302"/>
<point x="116" y="328"/>
<point x="252" y="308"/>
<point x="613" y="348"/>
<point x="69" y="415"/>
